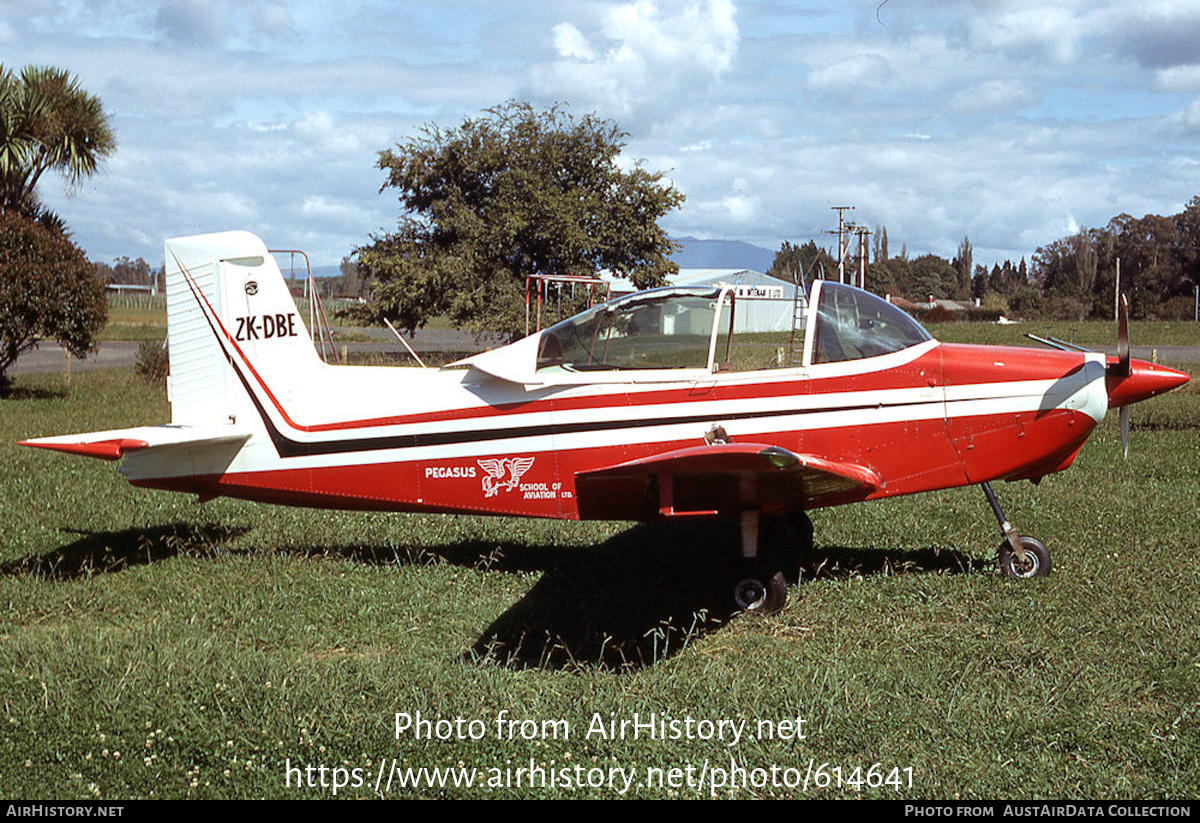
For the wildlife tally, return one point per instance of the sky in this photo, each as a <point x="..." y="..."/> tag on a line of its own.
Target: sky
<point x="1010" y="123"/>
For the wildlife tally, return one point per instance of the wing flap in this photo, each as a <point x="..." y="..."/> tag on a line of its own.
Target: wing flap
<point x="116" y="443"/>
<point x="726" y="477"/>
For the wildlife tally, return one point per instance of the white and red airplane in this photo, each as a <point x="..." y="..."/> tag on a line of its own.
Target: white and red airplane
<point x="653" y="405"/>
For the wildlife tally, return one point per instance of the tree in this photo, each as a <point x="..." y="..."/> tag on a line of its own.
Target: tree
<point x="512" y="193"/>
<point x="979" y="281"/>
<point x="351" y="282"/>
<point x="48" y="122"/>
<point x="889" y="276"/>
<point x="126" y="272"/>
<point x="1187" y="232"/>
<point x="808" y="261"/>
<point x="963" y="266"/>
<point x="931" y="275"/>
<point x="48" y="289"/>
<point x="1069" y="266"/>
<point x="881" y="244"/>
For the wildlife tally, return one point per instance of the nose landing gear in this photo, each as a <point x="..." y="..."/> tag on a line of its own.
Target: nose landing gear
<point x="1020" y="557"/>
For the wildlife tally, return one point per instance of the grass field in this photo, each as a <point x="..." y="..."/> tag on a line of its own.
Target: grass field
<point x="145" y="318"/>
<point x="1090" y="333"/>
<point x="151" y="646"/>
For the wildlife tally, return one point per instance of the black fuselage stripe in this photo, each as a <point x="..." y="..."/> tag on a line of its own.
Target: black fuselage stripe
<point x="288" y="447"/>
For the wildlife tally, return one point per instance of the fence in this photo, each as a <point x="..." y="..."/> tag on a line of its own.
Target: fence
<point x="144" y="302"/>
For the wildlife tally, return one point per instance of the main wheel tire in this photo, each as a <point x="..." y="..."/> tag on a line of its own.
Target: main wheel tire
<point x="760" y="592"/>
<point x="1035" y="564"/>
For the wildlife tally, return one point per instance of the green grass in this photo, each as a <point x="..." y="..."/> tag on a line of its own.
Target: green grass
<point x="151" y="646"/>
<point x="140" y="319"/>
<point x="134" y="322"/>
<point x="1092" y="333"/>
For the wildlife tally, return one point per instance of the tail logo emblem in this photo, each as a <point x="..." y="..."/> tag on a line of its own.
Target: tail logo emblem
<point x="251" y="287"/>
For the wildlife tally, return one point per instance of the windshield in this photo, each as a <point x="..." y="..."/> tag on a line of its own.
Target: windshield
<point x="854" y="324"/>
<point x="658" y="329"/>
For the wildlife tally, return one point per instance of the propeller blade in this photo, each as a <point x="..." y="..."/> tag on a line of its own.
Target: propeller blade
<point x="1125" y="430"/>
<point x="1123" y="369"/>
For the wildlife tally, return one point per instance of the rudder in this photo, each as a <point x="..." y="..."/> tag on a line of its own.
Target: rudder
<point x="232" y="326"/>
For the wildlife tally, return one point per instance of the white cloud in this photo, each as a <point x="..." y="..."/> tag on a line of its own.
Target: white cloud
<point x="640" y="54"/>
<point x="319" y="127"/>
<point x="570" y="43"/>
<point x="345" y="214"/>
<point x="1178" y="79"/>
<point x="1029" y="28"/>
<point x="216" y="23"/>
<point x="274" y="20"/>
<point x="1187" y="122"/>
<point x="194" y="22"/>
<point x="739" y="208"/>
<point x="856" y="72"/>
<point x="993" y="96"/>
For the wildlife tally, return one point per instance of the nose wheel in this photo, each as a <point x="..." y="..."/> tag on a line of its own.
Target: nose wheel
<point x="1020" y="557"/>
<point x="1035" y="561"/>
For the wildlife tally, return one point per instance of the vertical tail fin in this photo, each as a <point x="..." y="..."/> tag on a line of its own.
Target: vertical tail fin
<point x="231" y="327"/>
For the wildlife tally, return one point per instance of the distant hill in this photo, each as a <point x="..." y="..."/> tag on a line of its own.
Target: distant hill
<point x="722" y="254"/>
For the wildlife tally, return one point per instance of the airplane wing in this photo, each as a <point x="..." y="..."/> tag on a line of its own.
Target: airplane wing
<point x="723" y="477"/>
<point x="116" y="443"/>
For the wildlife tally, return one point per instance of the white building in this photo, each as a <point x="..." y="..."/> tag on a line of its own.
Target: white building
<point x="764" y="303"/>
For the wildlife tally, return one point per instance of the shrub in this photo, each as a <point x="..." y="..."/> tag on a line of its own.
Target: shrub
<point x="152" y="361"/>
<point x="994" y="301"/>
<point x="1063" y="307"/>
<point x="1026" y="303"/>
<point x="938" y="314"/>
<point x="1177" y="308"/>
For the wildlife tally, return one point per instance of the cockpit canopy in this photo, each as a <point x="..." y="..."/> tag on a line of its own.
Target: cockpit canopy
<point x="682" y="328"/>
<point x="655" y="334"/>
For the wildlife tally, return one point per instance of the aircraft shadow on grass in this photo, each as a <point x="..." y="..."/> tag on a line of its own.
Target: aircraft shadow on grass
<point x="646" y="593"/>
<point x="638" y="598"/>
<point x="105" y="552"/>
<point x="11" y="392"/>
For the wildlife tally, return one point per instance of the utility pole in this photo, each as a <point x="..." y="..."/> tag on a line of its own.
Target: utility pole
<point x="841" y="233"/>
<point x="863" y="233"/>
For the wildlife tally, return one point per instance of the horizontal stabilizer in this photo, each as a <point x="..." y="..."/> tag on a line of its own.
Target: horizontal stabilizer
<point x="723" y="477"/>
<point x="115" y="444"/>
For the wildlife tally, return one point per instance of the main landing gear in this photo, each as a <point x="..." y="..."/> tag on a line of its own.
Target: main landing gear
<point x="1021" y="557"/>
<point x="761" y="575"/>
<point x="759" y="589"/>
<point x="769" y="562"/>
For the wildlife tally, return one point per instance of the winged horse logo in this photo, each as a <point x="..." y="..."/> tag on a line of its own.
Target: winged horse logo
<point x="497" y="468"/>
